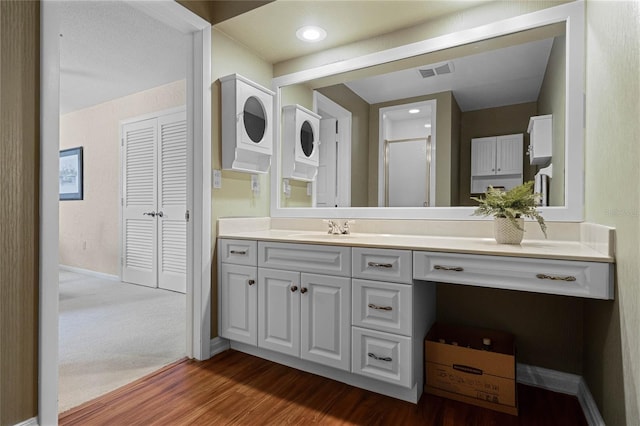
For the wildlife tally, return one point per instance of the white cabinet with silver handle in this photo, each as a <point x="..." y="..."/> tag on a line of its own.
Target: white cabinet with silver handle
<point x="391" y="315"/>
<point x="552" y="276"/>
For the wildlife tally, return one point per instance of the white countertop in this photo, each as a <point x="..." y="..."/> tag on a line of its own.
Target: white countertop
<point x="541" y="249"/>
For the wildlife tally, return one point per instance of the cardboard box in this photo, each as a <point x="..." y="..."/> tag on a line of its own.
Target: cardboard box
<point x="467" y="373"/>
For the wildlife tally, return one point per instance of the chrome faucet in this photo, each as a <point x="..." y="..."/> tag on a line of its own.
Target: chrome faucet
<point x="337" y="229"/>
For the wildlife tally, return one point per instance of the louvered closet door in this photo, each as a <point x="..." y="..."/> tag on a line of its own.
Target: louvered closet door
<point x="139" y="261"/>
<point x="172" y="202"/>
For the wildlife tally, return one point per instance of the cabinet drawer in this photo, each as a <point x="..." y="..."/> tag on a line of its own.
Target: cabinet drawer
<point x="382" y="356"/>
<point x="564" y="277"/>
<point x="239" y="252"/>
<point x="382" y="264"/>
<point x="327" y="260"/>
<point x="382" y="306"/>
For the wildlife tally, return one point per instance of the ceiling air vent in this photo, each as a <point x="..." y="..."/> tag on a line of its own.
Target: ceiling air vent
<point x="438" y="69"/>
<point x="427" y="72"/>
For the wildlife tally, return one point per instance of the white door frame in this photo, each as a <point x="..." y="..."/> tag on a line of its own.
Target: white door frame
<point x="381" y="148"/>
<point x="198" y="197"/>
<point x="321" y="102"/>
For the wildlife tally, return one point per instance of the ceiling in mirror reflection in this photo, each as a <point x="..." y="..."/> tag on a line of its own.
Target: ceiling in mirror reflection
<point x="506" y="76"/>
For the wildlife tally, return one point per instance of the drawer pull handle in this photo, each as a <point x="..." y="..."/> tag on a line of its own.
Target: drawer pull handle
<point x="380" y="265"/>
<point x="380" y="308"/>
<point x="449" y="268"/>
<point x="294" y="288"/>
<point x="303" y="290"/>
<point x="252" y="282"/>
<point x="555" y="277"/>
<point x="380" y="358"/>
<point x="240" y="252"/>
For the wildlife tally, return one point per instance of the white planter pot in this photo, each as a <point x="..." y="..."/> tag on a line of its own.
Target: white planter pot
<point x="505" y="232"/>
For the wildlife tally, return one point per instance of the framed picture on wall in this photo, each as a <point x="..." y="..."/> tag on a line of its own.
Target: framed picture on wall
<point x="71" y="174"/>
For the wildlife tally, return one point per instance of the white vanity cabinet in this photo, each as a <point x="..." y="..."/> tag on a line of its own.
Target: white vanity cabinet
<point x="496" y="161"/>
<point x="351" y="314"/>
<point x="238" y="291"/>
<point x="304" y="302"/>
<point x="391" y="316"/>
<point x="305" y="315"/>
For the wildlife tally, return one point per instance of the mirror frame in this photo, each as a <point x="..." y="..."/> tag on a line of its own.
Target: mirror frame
<point x="573" y="210"/>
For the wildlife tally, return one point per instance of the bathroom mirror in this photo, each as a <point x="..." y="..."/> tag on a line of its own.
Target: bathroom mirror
<point x="479" y="79"/>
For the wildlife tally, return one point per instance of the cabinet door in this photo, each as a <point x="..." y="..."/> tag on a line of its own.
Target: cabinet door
<point x="279" y="311"/>
<point x="483" y="156"/>
<point x="239" y="303"/>
<point x="325" y="307"/>
<point x="509" y="155"/>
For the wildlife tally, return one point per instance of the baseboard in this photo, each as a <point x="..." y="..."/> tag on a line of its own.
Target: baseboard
<point x="90" y="273"/>
<point x="557" y="381"/>
<point x="30" y="422"/>
<point x="589" y="406"/>
<point x="218" y="345"/>
<point x="552" y="380"/>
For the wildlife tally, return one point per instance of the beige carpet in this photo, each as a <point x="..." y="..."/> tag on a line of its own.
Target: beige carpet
<point x="112" y="333"/>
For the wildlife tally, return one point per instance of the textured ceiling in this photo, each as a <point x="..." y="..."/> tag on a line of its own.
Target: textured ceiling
<point x="109" y="49"/>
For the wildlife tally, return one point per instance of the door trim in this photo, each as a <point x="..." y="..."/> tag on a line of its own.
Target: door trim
<point x="199" y="195"/>
<point x="381" y="147"/>
<point x="344" y="117"/>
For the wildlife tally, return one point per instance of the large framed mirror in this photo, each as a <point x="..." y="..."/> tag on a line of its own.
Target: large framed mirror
<point x="431" y="101"/>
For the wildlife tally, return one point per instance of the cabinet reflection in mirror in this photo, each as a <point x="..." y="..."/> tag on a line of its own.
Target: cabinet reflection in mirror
<point x="412" y="124"/>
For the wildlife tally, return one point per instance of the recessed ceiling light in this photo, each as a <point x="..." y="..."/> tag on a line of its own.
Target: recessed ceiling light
<point x="311" y="34"/>
<point x="427" y="126"/>
<point x="414" y="111"/>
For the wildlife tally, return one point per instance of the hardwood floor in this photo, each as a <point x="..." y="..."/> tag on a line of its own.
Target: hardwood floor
<point x="236" y="388"/>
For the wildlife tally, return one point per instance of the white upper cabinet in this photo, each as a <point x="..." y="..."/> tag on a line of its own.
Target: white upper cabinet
<point x="247" y="125"/>
<point x="301" y="139"/>
<point x="496" y="161"/>
<point x="541" y="135"/>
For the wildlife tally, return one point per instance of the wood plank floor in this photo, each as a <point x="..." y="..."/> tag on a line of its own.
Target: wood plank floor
<point x="236" y="388"/>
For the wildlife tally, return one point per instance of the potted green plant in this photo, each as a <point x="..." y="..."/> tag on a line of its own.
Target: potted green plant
<point x="509" y="208"/>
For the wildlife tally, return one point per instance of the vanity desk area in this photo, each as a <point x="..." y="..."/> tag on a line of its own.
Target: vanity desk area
<point x="356" y="308"/>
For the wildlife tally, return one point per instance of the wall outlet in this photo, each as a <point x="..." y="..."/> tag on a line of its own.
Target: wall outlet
<point x="217" y="179"/>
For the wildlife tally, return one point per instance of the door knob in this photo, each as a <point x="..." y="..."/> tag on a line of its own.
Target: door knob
<point x="303" y="290"/>
<point x="252" y="282"/>
<point x="152" y="214"/>
<point x="160" y="214"/>
<point x="294" y="289"/>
